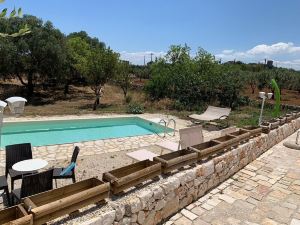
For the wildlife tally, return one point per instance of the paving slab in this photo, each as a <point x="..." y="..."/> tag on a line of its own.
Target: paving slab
<point x="266" y="192"/>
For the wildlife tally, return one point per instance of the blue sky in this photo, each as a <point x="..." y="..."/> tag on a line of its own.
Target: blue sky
<point x="230" y="29"/>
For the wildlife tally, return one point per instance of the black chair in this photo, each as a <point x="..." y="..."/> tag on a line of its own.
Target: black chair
<point x="4" y="186"/>
<point x="16" y="153"/>
<point x="34" y="184"/>
<point x="71" y="174"/>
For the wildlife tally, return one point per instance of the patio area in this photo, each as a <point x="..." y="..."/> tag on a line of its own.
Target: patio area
<point x="266" y="192"/>
<point x="99" y="156"/>
<point x="268" y="187"/>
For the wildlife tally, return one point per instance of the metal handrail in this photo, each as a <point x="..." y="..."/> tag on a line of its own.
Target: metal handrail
<point x="174" y="122"/>
<point x="166" y="125"/>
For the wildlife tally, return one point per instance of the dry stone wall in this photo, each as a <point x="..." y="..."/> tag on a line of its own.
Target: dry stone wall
<point x="156" y="203"/>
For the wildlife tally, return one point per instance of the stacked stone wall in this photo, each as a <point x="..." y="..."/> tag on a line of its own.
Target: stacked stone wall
<point x="156" y="203"/>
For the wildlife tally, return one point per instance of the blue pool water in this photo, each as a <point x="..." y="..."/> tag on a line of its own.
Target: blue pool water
<point x="68" y="131"/>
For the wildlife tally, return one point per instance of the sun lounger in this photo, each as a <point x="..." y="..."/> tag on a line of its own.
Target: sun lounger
<point x="141" y="155"/>
<point x="170" y="145"/>
<point x="188" y="137"/>
<point x="212" y="113"/>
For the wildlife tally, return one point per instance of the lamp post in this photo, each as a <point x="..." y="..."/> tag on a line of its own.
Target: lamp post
<point x="263" y="96"/>
<point x="16" y="106"/>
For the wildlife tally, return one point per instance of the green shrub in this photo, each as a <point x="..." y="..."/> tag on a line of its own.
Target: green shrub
<point x="135" y="108"/>
<point x="178" y="105"/>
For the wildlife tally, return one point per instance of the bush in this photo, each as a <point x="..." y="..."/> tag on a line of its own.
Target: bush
<point x="135" y="108"/>
<point x="178" y="106"/>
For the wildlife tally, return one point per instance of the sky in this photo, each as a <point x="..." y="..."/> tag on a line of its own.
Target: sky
<point x="249" y="31"/>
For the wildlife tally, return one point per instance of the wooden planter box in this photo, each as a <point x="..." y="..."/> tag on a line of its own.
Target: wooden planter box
<point x="274" y="124"/>
<point x="176" y="160"/>
<point x="282" y="120"/>
<point x="132" y="175"/>
<point x="289" y="117"/>
<point x="242" y="135"/>
<point x="296" y="114"/>
<point x="227" y="140"/>
<point x="207" y="149"/>
<point x="266" y="127"/>
<point x="58" y="202"/>
<point x="254" y="131"/>
<point x="15" y="215"/>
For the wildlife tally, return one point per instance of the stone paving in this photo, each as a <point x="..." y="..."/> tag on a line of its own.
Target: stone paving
<point x="64" y="151"/>
<point x="267" y="192"/>
<point x="95" y="155"/>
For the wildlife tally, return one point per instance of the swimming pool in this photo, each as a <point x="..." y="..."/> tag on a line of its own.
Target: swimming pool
<point x="40" y="133"/>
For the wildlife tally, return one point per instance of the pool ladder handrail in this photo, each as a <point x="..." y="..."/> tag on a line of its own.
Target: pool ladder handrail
<point x="166" y="125"/>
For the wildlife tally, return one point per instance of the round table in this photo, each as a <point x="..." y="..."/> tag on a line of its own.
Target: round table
<point x="30" y="165"/>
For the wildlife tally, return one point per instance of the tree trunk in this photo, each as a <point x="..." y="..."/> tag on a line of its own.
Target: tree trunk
<point x="96" y="103"/>
<point x="30" y="87"/>
<point x="66" y="88"/>
<point x="125" y="92"/>
<point x="253" y="89"/>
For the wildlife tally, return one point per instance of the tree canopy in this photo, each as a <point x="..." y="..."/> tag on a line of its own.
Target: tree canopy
<point x="47" y="55"/>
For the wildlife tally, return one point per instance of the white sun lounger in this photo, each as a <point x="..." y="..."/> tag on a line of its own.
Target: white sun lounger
<point x="188" y="137"/>
<point x="141" y="155"/>
<point x="212" y="113"/>
<point x="170" y="145"/>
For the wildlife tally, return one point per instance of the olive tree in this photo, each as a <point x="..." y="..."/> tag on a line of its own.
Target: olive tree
<point x="78" y="51"/>
<point x="101" y="67"/>
<point x="123" y="76"/>
<point x="38" y="56"/>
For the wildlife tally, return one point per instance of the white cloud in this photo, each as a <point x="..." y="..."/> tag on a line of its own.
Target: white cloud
<point x="138" y="57"/>
<point x="295" y="64"/>
<point x="278" y="48"/>
<point x="283" y="54"/>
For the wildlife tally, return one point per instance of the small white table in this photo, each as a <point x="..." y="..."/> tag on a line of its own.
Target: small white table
<point x="142" y="154"/>
<point x="30" y="165"/>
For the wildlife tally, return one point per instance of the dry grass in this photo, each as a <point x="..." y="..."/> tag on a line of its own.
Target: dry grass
<point x="287" y="96"/>
<point x="80" y="101"/>
<point x="81" y="98"/>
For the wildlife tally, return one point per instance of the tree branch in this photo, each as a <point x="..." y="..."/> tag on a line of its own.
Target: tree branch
<point x="21" y="79"/>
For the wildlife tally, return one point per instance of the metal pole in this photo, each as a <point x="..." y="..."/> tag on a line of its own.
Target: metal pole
<point x="261" y="111"/>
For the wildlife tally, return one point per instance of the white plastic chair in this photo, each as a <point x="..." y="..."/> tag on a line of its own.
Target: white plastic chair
<point x="188" y="137"/>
